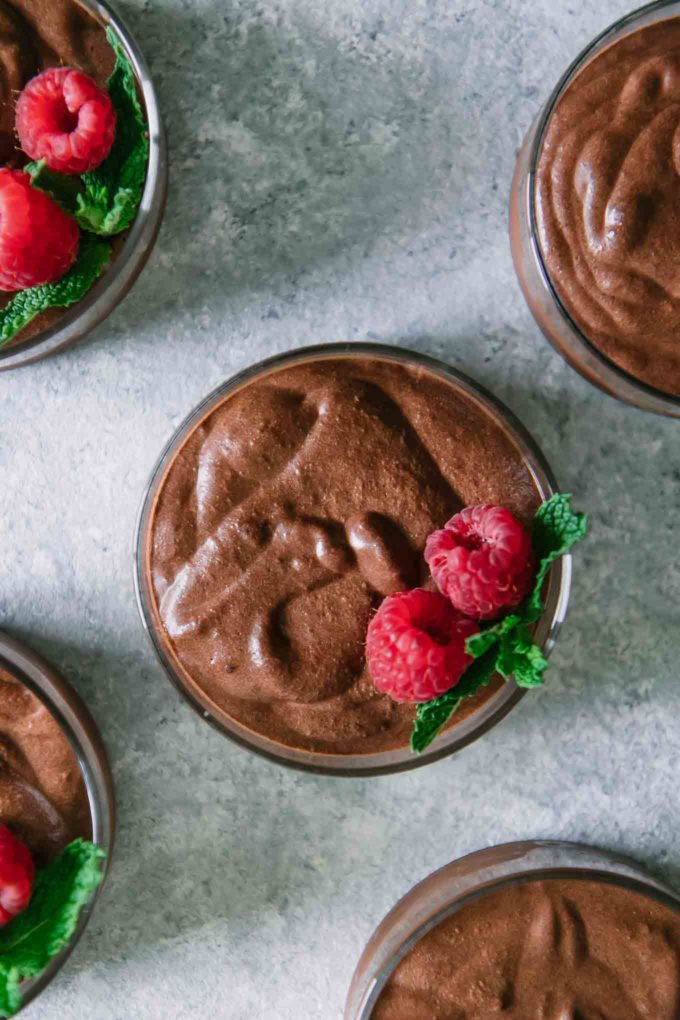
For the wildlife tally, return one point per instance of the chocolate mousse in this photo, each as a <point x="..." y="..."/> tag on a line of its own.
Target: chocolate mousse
<point x="42" y="793"/>
<point x="608" y="203"/>
<point x="284" y="518"/>
<point x="543" y="950"/>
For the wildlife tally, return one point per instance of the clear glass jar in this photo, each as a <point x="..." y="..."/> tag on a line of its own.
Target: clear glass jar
<point x="449" y="889"/>
<point x="84" y="737"/>
<point x="539" y="291"/>
<point x="119" y="277"/>
<point x="453" y="739"/>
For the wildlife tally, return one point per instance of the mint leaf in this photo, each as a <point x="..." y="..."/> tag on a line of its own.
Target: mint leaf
<point x="10" y="999"/>
<point x="31" y="940"/>
<point x="507" y="647"/>
<point x="556" y="528"/>
<point x="520" y="657"/>
<point x="432" y="716"/>
<point x="71" y="287"/>
<point x="62" y="188"/>
<point x="478" y="644"/>
<point x="478" y="674"/>
<point x="113" y="191"/>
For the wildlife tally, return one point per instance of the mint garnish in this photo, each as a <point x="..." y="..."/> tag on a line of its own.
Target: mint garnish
<point x="31" y="940"/>
<point x="432" y="716"/>
<point x="507" y="647"/>
<point x="556" y="528"/>
<point x="105" y="201"/>
<point x="62" y="188"/>
<point x="69" y="288"/>
<point x="114" y="190"/>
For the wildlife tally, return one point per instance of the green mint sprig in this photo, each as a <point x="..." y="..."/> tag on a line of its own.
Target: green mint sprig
<point x="114" y="190"/>
<point x="31" y="940"/>
<point x="105" y="201"/>
<point x="93" y="256"/>
<point x="507" y="647"/>
<point x="432" y="716"/>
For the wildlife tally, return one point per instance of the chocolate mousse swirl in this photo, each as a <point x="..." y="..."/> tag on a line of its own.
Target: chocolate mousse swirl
<point x="551" y="950"/>
<point x="42" y="794"/>
<point x="287" y="516"/>
<point x="608" y="203"/>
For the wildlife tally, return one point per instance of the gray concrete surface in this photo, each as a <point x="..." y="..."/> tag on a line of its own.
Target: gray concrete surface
<point x="339" y="170"/>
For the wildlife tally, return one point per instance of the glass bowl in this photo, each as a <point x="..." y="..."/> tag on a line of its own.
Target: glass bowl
<point x="461" y="734"/>
<point x="539" y="291"/>
<point x="82" y="733"/>
<point x="446" y="891"/>
<point x="119" y="277"/>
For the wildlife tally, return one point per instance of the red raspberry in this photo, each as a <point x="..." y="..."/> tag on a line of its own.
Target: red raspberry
<point x="38" y="242"/>
<point x="415" y="647"/>
<point x="64" y="118"/>
<point x="17" y="872"/>
<point x="482" y="560"/>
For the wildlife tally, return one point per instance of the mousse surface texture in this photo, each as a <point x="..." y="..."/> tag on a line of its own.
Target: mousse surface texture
<point x="288" y="514"/>
<point x="608" y="203"/>
<point x="42" y="793"/>
<point x="550" y="950"/>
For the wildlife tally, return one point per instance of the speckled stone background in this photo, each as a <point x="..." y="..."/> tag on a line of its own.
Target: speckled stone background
<point x="339" y="170"/>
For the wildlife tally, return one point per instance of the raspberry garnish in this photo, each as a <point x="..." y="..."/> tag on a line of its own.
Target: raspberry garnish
<point x="415" y="647"/>
<point x="38" y="242"/>
<point x="482" y="560"/>
<point x="17" y="872"/>
<point x="63" y="117"/>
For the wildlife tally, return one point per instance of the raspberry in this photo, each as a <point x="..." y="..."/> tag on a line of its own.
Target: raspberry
<point x="38" y="242"/>
<point x="415" y="647"/>
<point x="482" y="560"/>
<point x="17" y="872"/>
<point x="63" y="117"/>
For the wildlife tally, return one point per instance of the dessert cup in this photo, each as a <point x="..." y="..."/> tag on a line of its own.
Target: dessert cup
<point x="483" y="718"/>
<point x="83" y="735"/>
<point x="540" y="290"/>
<point x="137" y="245"/>
<point x="471" y="878"/>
